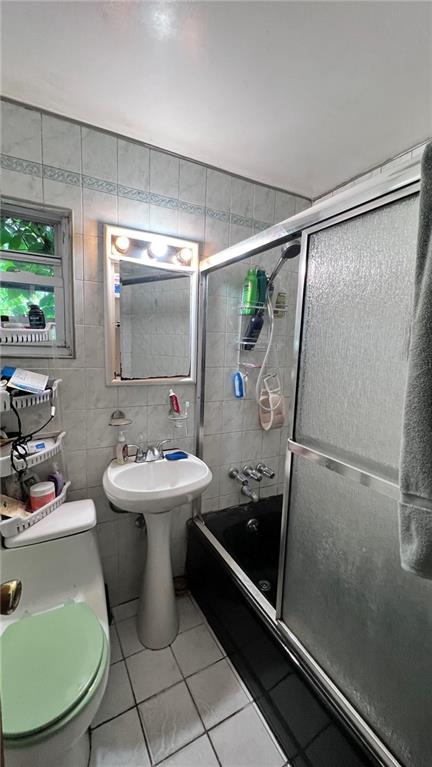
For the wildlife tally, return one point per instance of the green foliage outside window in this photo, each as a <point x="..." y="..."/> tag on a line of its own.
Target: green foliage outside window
<point x="7" y="265"/>
<point x="26" y="236"/>
<point x="15" y="301"/>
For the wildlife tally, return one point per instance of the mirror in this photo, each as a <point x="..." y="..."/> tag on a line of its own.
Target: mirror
<point x="151" y="307"/>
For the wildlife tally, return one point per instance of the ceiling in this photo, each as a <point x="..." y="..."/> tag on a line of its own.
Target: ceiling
<point x="300" y="95"/>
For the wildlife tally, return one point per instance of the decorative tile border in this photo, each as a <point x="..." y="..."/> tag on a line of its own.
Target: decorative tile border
<point x="64" y="176"/>
<point x="220" y="215"/>
<point x="189" y="207"/>
<point x="90" y="182"/>
<point x="109" y="187"/>
<point x="241" y="220"/>
<point x="133" y="194"/>
<point x="21" y="166"/>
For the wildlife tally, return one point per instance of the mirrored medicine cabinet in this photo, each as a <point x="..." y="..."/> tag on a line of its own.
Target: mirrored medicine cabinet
<point x="151" y="306"/>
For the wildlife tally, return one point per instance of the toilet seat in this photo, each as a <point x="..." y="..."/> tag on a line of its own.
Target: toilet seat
<point x="52" y="663"/>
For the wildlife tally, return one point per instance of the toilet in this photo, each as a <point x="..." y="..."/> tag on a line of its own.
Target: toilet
<point x="54" y="647"/>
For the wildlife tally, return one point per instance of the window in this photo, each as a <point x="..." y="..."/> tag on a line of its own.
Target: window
<point x="35" y="281"/>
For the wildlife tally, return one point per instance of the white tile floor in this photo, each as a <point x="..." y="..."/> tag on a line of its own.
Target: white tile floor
<point x="184" y="706"/>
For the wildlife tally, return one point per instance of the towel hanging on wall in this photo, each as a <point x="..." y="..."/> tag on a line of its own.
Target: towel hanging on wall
<point x="415" y="508"/>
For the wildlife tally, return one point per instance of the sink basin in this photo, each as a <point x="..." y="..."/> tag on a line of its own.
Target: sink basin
<point x="154" y="489"/>
<point x="157" y="486"/>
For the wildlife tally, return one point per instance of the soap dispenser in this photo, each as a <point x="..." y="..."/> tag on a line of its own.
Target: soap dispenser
<point x="120" y="447"/>
<point x="119" y="419"/>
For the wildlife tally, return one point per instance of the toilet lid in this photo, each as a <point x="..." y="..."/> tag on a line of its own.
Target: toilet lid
<point x="48" y="662"/>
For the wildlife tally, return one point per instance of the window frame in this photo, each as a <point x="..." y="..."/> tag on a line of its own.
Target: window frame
<point x="62" y="281"/>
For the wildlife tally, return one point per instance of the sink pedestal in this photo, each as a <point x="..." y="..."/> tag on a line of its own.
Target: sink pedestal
<point x="157" y="620"/>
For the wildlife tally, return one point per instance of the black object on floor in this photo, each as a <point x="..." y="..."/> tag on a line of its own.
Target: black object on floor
<point x="309" y="731"/>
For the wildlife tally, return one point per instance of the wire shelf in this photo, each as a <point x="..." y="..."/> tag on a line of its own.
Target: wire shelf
<point x="35" y="458"/>
<point x="29" y="400"/>
<point x="24" y="336"/>
<point x="15" y="525"/>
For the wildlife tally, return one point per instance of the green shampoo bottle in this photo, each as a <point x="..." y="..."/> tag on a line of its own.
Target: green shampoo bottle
<point x="249" y="292"/>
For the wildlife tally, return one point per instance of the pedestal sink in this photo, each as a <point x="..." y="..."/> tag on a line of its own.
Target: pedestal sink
<point x="155" y="489"/>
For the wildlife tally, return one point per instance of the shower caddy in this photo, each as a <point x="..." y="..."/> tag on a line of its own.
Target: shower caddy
<point x="14" y="525"/>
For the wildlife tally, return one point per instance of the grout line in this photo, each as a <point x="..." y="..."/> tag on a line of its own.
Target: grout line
<point x="165" y="759"/>
<point x="269" y="730"/>
<point x="138" y="712"/>
<point x="195" y="705"/>
<point x="303" y="749"/>
<point x="230" y="716"/>
<point x="96" y="727"/>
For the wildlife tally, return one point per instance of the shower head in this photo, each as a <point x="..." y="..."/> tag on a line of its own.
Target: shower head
<point x="290" y="250"/>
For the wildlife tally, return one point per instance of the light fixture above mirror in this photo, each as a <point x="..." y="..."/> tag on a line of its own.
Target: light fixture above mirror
<point x="151" y="295"/>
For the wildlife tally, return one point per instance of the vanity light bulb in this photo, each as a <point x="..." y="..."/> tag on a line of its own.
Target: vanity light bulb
<point x="122" y="244"/>
<point x="185" y="256"/>
<point x="158" y="249"/>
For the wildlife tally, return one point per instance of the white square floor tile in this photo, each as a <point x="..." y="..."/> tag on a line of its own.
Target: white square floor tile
<point x="116" y="653"/>
<point x="118" y="694"/>
<point x="217" y="693"/>
<point x="196" y="754"/>
<point x="120" y="743"/>
<point x="195" y="649"/>
<point x="152" y="671"/>
<point x="126" y="610"/>
<point x="128" y="636"/>
<point x="170" y="721"/>
<point x="244" y="741"/>
<point x="189" y="616"/>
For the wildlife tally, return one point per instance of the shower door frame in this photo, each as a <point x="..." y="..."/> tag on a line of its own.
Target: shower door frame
<point x="355" y="473"/>
<point x="391" y="186"/>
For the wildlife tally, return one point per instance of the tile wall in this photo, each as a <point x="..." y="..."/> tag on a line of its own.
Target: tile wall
<point x="105" y="178"/>
<point x="232" y="432"/>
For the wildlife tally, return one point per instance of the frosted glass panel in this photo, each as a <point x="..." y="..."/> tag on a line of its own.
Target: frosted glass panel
<point x="366" y="621"/>
<point x="358" y="308"/>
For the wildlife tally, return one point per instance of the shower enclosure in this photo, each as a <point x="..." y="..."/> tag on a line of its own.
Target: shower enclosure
<point x="359" y="624"/>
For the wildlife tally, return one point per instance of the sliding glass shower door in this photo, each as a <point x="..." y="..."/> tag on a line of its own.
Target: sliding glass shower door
<point x="366" y="622"/>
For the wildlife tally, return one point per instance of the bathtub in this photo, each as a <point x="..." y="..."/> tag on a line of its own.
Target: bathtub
<point x="251" y="534"/>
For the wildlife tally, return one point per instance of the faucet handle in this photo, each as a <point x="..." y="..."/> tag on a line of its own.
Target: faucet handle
<point x="249" y="471"/>
<point x="238" y="475"/>
<point x="162" y="442"/>
<point x="265" y="470"/>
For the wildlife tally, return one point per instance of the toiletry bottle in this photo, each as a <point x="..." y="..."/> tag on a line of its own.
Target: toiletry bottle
<point x="120" y="447"/>
<point x="249" y="292"/>
<point x="253" y="331"/>
<point x="36" y="317"/>
<point x="239" y="385"/>
<point x="57" y="478"/>
<point x="174" y="402"/>
<point x="262" y="281"/>
<point x="256" y="322"/>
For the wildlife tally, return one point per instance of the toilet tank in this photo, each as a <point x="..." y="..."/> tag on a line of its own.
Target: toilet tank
<point x="56" y="560"/>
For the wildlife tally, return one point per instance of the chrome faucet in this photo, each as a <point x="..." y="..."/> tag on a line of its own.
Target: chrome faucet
<point x="252" y="473"/>
<point x="265" y="470"/>
<point x="155" y="452"/>
<point x="238" y="475"/>
<point x="249" y="493"/>
<point x="245" y="489"/>
<point x="149" y="454"/>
